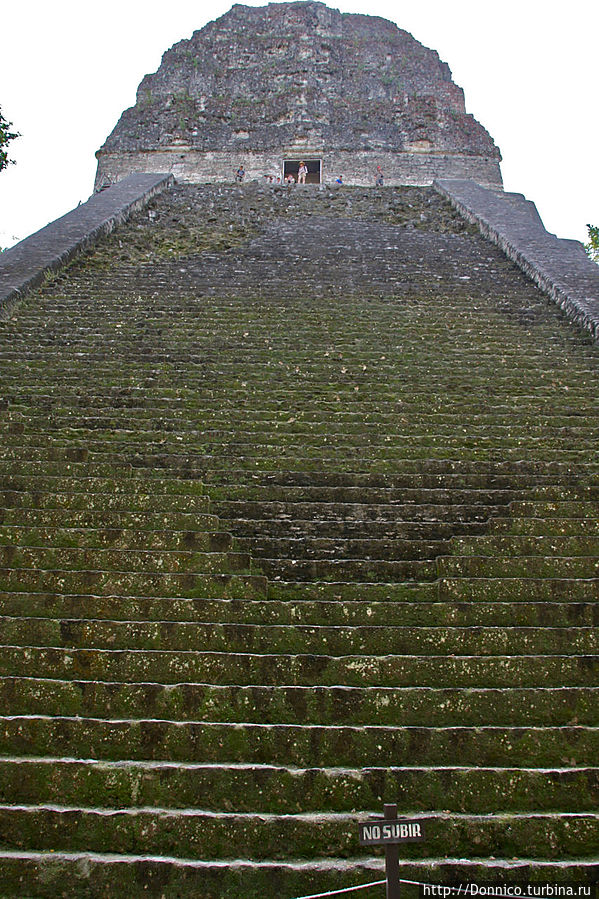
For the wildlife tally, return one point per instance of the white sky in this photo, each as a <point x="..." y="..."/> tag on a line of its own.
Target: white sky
<point x="68" y="68"/>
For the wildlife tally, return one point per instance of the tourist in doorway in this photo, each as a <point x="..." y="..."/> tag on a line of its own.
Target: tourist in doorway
<point x="240" y="174"/>
<point x="379" y="177"/>
<point x="302" y="172"/>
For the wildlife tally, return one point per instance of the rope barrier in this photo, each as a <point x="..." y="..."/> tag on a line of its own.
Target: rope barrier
<point x="362" y="886"/>
<point x="460" y="891"/>
<point x="465" y="890"/>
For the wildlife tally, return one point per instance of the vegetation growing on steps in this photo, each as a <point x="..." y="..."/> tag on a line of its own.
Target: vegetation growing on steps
<point x="341" y="398"/>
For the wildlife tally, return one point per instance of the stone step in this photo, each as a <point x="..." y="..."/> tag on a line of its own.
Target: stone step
<point x="116" y="538"/>
<point x="22" y="384"/>
<point x="343" y="528"/>
<point x="107" y="560"/>
<point x="518" y="589"/>
<point x="108" y="521"/>
<point x="121" y="486"/>
<point x="355" y="512"/>
<point x="359" y="609"/>
<point x="192" y="833"/>
<point x="47" y="873"/>
<point x="290" y="790"/>
<point x="566" y="508"/>
<point x="96" y="634"/>
<point x="305" y="745"/>
<point x="349" y="706"/>
<point x="162" y="458"/>
<point x="516" y="545"/>
<point x="167" y="453"/>
<point x="175" y="470"/>
<point x="547" y="527"/>
<point x="420" y="426"/>
<point x="172" y="666"/>
<point x="432" y="473"/>
<point x="310" y="457"/>
<point x="338" y="548"/>
<point x="153" y="583"/>
<point x="348" y="570"/>
<point x="519" y="566"/>
<point x="104" y="502"/>
<point x="566" y="493"/>
<point x="148" y="406"/>
<point x="547" y="445"/>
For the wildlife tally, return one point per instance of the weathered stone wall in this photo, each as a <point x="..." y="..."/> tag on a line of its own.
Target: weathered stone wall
<point x="24" y="266"/>
<point x="358" y="168"/>
<point x="291" y="79"/>
<point x="559" y="267"/>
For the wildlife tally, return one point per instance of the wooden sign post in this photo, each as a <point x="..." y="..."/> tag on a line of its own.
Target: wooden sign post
<point x="389" y="831"/>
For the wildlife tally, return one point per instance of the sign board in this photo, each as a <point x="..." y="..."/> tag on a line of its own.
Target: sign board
<point x="379" y="833"/>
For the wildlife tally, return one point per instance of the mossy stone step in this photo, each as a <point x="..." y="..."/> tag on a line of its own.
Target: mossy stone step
<point x="360" y="434"/>
<point x="90" y="559"/>
<point x="85" y="410"/>
<point x="289" y="790"/>
<point x="354" y="512"/>
<point x="564" y="508"/>
<point x="338" y="548"/>
<point x="515" y="545"/>
<point x="169" y="456"/>
<point x="338" y="591"/>
<point x="136" y="583"/>
<point x="190" y="833"/>
<point x="46" y="873"/>
<point x="304" y="611"/>
<point x="272" y="669"/>
<point x="350" y="530"/>
<point x="173" y="459"/>
<point x="214" y="404"/>
<point x="564" y="494"/>
<point x="304" y="638"/>
<point x="30" y="518"/>
<point x="518" y="589"/>
<point x="353" y="453"/>
<point x="442" y="475"/>
<point x="104" y="502"/>
<point x="312" y="458"/>
<point x="304" y="745"/>
<point x="406" y="706"/>
<point x="129" y="484"/>
<point x="519" y="566"/>
<point x="116" y="538"/>
<point x="55" y="875"/>
<point x="350" y="570"/>
<point x="547" y="527"/>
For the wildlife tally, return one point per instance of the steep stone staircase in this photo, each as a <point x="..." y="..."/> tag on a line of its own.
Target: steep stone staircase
<point x="298" y="515"/>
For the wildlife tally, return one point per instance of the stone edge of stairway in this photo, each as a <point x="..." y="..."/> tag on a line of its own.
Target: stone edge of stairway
<point x="24" y="266"/>
<point x="559" y="267"/>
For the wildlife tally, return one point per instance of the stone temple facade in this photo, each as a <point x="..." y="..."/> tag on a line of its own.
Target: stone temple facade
<point x="266" y="87"/>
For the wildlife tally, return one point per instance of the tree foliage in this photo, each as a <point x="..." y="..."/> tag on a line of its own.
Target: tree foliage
<point x="592" y="247"/>
<point x="6" y="135"/>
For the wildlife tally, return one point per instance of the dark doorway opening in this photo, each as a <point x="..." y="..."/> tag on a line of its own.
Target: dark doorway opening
<point x="291" y="166"/>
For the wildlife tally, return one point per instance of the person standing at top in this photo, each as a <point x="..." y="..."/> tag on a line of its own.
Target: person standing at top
<point x="379" y="176"/>
<point x="302" y="172"/>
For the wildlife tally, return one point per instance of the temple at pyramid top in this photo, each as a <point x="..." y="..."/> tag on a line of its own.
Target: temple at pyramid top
<point x="265" y="88"/>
